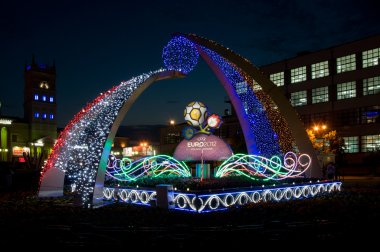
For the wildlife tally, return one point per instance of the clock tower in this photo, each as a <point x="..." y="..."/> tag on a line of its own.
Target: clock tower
<point x="40" y="104"/>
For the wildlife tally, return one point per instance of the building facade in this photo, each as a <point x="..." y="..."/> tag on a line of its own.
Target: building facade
<point x="33" y="136"/>
<point x="338" y="87"/>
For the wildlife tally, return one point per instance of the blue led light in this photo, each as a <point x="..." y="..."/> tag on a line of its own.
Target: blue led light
<point x="180" y="54"/>
<point x="36" y="97"/>
<point x="51" y="116"/>
<point x="44" y="115"/>
<point x="44" y="98"/>
<point x="51" y="99"/>
<point x="36" y="115"/>
<point x="263" y="133"/>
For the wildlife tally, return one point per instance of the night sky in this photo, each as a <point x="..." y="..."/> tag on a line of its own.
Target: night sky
<point x="97" y="44"/>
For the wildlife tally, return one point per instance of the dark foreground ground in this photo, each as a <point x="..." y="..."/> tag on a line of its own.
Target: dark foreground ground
<point x="352" y="215"/>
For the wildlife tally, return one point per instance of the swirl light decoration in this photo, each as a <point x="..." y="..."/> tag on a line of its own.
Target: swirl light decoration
<point x="259" y="167"/>
<point x="153" y="166"/>
<point x="208" y="202"/>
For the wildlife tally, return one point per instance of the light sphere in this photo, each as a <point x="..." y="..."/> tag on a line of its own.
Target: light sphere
<point x="180" y="54"/>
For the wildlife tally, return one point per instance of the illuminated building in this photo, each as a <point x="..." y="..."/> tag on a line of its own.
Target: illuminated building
<point x="36" y="133"/>
<point x="339" y="87"/>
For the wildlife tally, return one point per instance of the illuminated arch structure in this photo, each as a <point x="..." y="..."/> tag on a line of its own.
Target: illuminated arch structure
<point x="270" y="124"/>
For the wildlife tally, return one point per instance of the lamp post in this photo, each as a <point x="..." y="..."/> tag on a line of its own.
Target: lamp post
<point x="144" y="145"/>
<point x="319" y="129"/>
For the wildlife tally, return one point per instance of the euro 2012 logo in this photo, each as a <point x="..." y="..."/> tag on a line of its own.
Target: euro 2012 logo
<point x="196" y="115"/>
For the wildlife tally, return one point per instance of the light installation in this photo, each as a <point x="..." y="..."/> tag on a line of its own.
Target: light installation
<point x="251" y="166"/>
<point x="126" y="169"/>
<point x="256" y="167"/>
<point x="264" y="137"/>
<point x="83" y="148"/>
<point x="180" y="54"/>
<point x="84" y="145"/>
<point x="208" y="202"/>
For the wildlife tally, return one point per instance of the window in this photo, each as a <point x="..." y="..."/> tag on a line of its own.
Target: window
<point x="51" y="116"/>
<point x="371" y="57"/>
<point x="298" y="98"/>
<point x="36" y="97"/>
<point x="277" y="78"/>
<point x="51" y="99"/>
<point x="346" y="90"/>
<point x="346" y="63"/>
<point x="320" y="118"/>
<point x="44" y="98"/>
<point x="371" y="114"/>
<point x="241" y="87"/>
<point x="14" y="138"/>
<point x="44" y="85"/>
<point x="347" y="117"/>
<point x="370" y="143"/>
<point x="320" y="69"/>
<point x="255" y="86"/>
<point x="298" y="74"/>
<point x="36" y="115"/>
<point x="371" y="86"/>
<point x="320" y="95"/>
<point x="44" y="115"/>
<point x="351" y="144"/>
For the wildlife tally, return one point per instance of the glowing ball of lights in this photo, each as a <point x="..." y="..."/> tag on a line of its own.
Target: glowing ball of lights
<point x="180" y="54"/>
<point x="195" y="113"/>
<point x="214" y="121"/>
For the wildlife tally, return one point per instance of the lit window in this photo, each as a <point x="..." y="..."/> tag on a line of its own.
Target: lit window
<point x="371" y="114"/>
<point x="298" y="98"/>
<point x="44" y="115"/>
<point x="370" y="143"/>
<point x="51" y="99"/>
<point x="320" y="69"/>
<point x="351" y="144"/>
<point x="36" y="115"/>
<point x="36" y="97"/>
<point x="44" y="98"/>
<point x="371" y="86"/>
<point x="320" y="95"/>
<point x="51" y="116"/>
<point x="277" y="78"/>
<point x="44" y="84"/>
<point x="241" y="87"/>
<point x="371" y="57"/>
<point x="346" y="63"/>
<point x="298" y="74"/>
<point x="346" y="90"/>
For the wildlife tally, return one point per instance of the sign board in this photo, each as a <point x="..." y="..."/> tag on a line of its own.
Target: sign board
<point x="17" y="151"/>
<point x="202" y="147"/>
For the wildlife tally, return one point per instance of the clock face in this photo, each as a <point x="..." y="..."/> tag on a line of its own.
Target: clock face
<point x="44" y="85"/>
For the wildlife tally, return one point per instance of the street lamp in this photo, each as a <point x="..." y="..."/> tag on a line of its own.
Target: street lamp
<point x="172" y="122"/>
<point x="144" y="144"/>
<point x="320" y="129"/>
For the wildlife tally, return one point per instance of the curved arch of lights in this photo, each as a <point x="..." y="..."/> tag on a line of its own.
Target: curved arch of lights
<point x="82" y="149"/>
